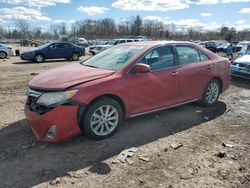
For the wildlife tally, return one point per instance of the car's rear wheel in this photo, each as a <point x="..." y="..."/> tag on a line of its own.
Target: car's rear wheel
<point x="39" y="58"/>
<point x="75" y="56"/>
<point x="211" y="93"/>
<point x="102" y="119"/>
<point x="3" y="55"/>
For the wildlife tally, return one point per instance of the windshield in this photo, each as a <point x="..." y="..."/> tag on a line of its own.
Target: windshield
<point x="44" y="45"/>
<point x="114" y="58"/>
<point x="112" y="42"/>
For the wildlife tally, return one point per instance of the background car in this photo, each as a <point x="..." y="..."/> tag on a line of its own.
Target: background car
<point x="5" y="51"/>
<point x="107" y="44"/>
<point x="245" y="50"/>
<point x="241" y="67"/>
<point x="55" y="50"/>
<point x="223" y="47"/>
<point x="101" y="46"/>
<point x="123" y="81"/>
<point x="213" y="45"/>
<point x="240" y="45"/>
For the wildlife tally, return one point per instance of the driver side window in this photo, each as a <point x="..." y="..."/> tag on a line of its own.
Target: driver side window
<point x="159" y="58"/>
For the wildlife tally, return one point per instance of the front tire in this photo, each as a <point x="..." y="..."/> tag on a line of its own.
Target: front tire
<point x="39" y="58"/>
<point x="102" y="119"/>
<point x="211" y="93"/>
<point x="3" y="55"/>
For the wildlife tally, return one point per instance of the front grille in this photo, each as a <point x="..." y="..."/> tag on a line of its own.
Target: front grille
<point x="31" y="102"/>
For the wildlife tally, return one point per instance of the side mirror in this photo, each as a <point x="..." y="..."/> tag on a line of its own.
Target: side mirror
<point x="141" y="68"/>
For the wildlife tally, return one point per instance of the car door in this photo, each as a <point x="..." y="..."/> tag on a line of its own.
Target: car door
<point x="65" y="50"/>
<point x="156" y="89"/>
<point x="194" y="72"/>
<point x="50" y="51"/>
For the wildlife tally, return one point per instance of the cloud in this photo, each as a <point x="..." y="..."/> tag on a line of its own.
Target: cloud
<point x="235" y="1"/>
<point x="35" y="3"/>
<point x="240" y="22"/>
<point x="153" y="18"/>
<point x="245" y="11"/>
<point x="202" y="2"/>
<point x="193" y="23"/>
<point x="149" y="5"/>
<point x="93" y="10"/>
<point x="17" y="13"/>
<point x="64" y="21"/>
<point x="205" y="14"/>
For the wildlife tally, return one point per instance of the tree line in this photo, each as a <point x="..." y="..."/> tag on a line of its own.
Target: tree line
<point x="107" y="28"/>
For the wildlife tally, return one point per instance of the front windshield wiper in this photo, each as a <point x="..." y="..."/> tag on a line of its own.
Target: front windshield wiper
<point x="90" y="66"/>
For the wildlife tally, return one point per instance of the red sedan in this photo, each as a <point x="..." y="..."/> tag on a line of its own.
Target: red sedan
<point x="121" y="82"/>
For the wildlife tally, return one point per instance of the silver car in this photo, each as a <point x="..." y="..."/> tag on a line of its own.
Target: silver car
<point x="5" y="51"/>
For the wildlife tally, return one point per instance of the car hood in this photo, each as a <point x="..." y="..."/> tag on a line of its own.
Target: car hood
<point x="30" y="51"/>
<point x="67" y="76"/>
<point x="244" y="59"/>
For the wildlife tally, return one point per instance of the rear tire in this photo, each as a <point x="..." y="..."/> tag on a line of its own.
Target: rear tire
<point x="211" y="93"/>
<point x="75" y="57"/>
<point x="3" y="55"/>
<point x="39" y="58"/>
<point x="102" y="119"/>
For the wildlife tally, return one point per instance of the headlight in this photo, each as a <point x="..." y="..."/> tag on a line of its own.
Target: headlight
<point x="55" y="98"/>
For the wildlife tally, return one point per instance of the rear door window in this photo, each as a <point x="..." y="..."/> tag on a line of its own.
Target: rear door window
<point x="187" y="55"/>
<point x="203" y="57"/>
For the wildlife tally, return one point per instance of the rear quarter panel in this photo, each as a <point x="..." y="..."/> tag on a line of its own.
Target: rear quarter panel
<point x="222" y="70"/>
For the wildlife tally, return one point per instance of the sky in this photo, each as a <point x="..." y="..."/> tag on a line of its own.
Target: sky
<point x="208" y="14"/>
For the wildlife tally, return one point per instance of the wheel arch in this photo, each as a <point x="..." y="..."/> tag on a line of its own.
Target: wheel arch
<point x="6" y="54"/>
<point x="80" y="113"/>
<point x="39" y="53"/>
<point x="220" y="82"/>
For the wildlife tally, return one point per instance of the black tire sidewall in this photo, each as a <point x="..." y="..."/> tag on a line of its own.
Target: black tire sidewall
<point x="4" y="54"/>
<point x="77" y="56"/>
<point x="204" y="101"/>
<point x="85" y="123"/>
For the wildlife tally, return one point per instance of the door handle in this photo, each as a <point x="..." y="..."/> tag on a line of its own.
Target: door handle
<point x="209" y="66"/>
<point x="175" y="73"/>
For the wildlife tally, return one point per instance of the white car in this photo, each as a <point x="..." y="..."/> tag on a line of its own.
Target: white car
<point x="107" y="44"/>
<point x="5" y="51"/>
<point x="241" y="67"/>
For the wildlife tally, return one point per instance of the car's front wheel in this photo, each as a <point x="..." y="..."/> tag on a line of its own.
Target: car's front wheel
<point x="39" y="58"/>
<point x="75" y="56"/>
<point x="3" y="55"/>
<point x="102" y="119"/>
<point x="211" y="93"/>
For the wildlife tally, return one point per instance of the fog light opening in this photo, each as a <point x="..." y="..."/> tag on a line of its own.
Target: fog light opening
<point x="51" y="133"/>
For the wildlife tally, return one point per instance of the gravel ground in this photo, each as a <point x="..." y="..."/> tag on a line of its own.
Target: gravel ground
<point x="202" y="161"/>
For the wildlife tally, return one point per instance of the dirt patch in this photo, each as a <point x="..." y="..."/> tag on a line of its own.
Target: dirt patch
<point x="202" y="160"/>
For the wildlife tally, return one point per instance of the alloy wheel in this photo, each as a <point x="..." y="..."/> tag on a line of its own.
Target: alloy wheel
<point x="104" y="120"/>
<point x="39" y="58"/>
<point x="75" y="56"/>
<point x="212" y="92"/>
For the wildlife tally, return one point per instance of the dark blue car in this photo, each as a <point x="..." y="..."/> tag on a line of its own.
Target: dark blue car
<point x="54" y="50"/>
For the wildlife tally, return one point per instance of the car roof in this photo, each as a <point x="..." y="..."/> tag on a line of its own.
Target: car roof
<point x="152" y="44"/>
<point x="155" y="43"/>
